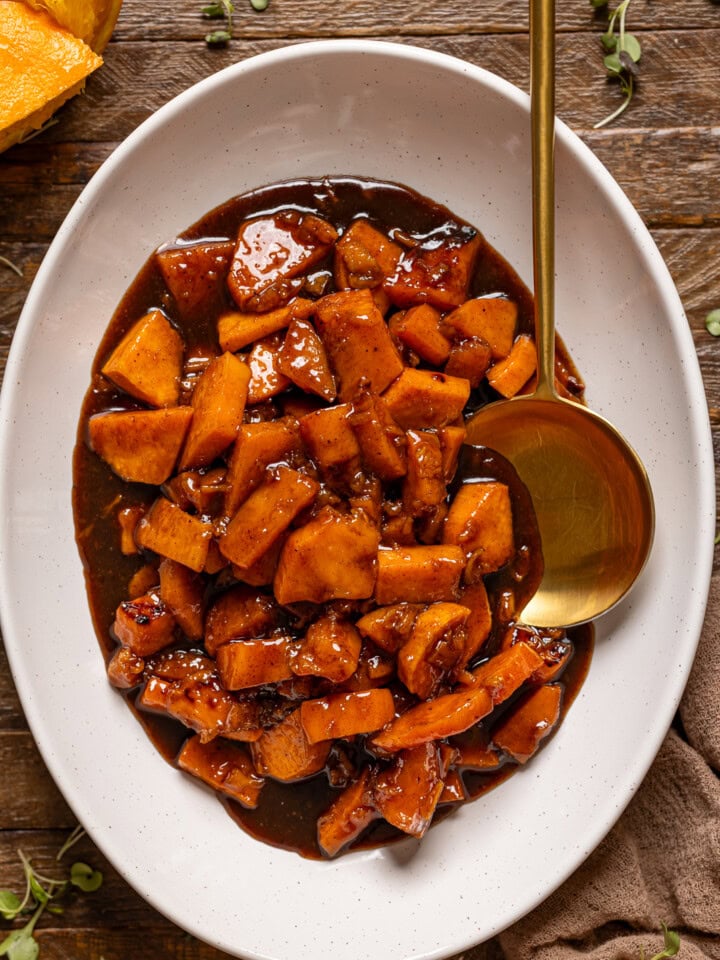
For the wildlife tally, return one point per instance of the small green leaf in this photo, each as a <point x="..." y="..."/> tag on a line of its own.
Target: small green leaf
<point x="38" y="891"/>
<point x="712" y="322"/>
<point x="24" y="948"/>
<point x="10" y="904"/>
<point x="631" y="46"/>
<point x="613" y="65"/>
<point x="609" y="41"/>
<point x="597" y="4"/>
<point x="85" y="878"/>
<point x="672" y="944"/>
<point x="259" y="4"/>
<point x="217" y="38"/>
<point x="213" y="10"/>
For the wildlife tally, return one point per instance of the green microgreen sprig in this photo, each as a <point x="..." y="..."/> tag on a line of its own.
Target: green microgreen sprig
<point x="712" y="322"/>
<point x="4" y="262"/>
<point x="672" y="944"/>
<point x="214" y="11"/>
<point x="622" y="56"/>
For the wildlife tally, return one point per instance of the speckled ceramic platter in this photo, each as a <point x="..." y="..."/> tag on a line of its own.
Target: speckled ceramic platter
<point x="460" y="136"/>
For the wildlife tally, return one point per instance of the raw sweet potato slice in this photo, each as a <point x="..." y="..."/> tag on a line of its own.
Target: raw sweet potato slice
<point x="195" y="274"/>
<point x="148" y="361"/>
<point x="284" y="753"/>
<point x="266" y="514"/>
<point x="492" y="319"/>
<point x="345" y="714"/>
<point x="218" y="403"/>
<point x="304" y="361"/>
<point x="182" y="591"/>
<point x="507" y="671"/>
<point x="418" y="574"/>
<point x="357" y="341"/>
<point x="238" y="330"/>
<point x="141" y="446"/>
<point x="389" y="627"/>
<point x="350" y="813"/>
<point x="480" y="522"/>
<point x="330" y="649"/>
<point x="364" y="257"/>
<point x="437" y="273"/>
<point x="266" y="378"/>
<point x="330" y="439"/>
<point x="381" y="441"/>
<point x="521" y="731"/>
<point x="331" y="557"/>
<point x="509" y="376"/>
<point x="407" y="792"/>
<point x="144" y="625"/>
<point x="419" y="399"/>
<point x="258" y="445"/>
<point x="253" y="663"/>
<point x="271" y="253"/>
<point x="436" y="719"/>
<point x="435" y="648"/>
<point x="469" y="359"/>
<point x="169" y="531"/>
<point x="419" y="329"/>
<point x="424" y="485"/>
<point x="241" y="612"/>
<point x="226" y="767"/>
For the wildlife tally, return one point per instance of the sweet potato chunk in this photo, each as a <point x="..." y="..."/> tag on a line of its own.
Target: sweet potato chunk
<point x="270" y="255"/>
<point x="345" y="714"/>
<point x="552" y="645"/>
<point x="507" y="671"/>
<point x="350" y="813"/>
<point x="304" y="361"/>
<point x="141" y="446"/>
<point x="148" y="361"/>
<point x="128" y="518"/>
<point x="182" y="592"/>
<point x="266" y="378"/>
<point x="381" y="441"/>
<point x="195" y="274"/>
<point x="451" y="441"/>
<point x="534" y="718"/>
<point x="424" y="486"/>
<point x="142" y="581"/>
<point x="144" y="625"/>
<point x="389" y="627"/>
<point x="434" y="720"/>
<point x="218" y="403"/>
<point x="253" y="663"/>
<point x="364" y="257"/>
<point x="330" y="439"/>
<point x="510" y="375"/>
<point x="224" y="766"/>
<point x="262" y="572"/>
<point x="479" y="623"/>
<point x="331" y="557"/>
<point x="469" y="359"/>
<point x="357" y="341"/>
<point x="330" y="649"/>
<point x="284" y="753"/>
<point x="241" y="612"/>
<point x="257" y="446"/>
<point x="437" y="274"/>
<point x="419" y="329"/>
<point x="266" y="514"/>
<point x="238" y="330"/>
<point x="491" y="319"/>
<point x="419" y="399"/>
<point x="169" y="531"/>
<point x="125" y="669"/>
<point x="407" y="793"/>
<point x="480" y="523"/>
<point x="418" y="574"/>
<point x="435" y="648"/>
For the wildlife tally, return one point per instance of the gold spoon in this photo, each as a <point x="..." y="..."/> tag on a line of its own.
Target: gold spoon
<point x="590" y="491"/>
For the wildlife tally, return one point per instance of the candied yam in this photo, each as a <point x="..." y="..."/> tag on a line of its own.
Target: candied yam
<point x="226" y="767"/>
<point x="438" y="273"/>
<point x="375" y="669"/>
<point x="521" y="731"/>
<point x="182" y="591"/>
<point x="253" y="663"/>
<point x="258" y="445"/>
<point x="451" y="441"/>
<point x="147" y="362"/>
<point x="270" y="254"/>
<point x="125" y="669"/>
<point x="330" y="439"/>
<point x="199" y="490"/>
<point x="330" y="649"/>
<point x="284" y="753"/>
<point x="266" y="377"/>
<point x="128" y="518"/>
<point x="424" y="485"/>
<point x="238" y="330"/>
<point x="153" y="695"/>
<point x="552" y="645"/>
<point x="436" y="719"/>
<point x="218" y="403"/>
<point x="266" y="514"/>
<point x="195" y="274"/>
<point x="480" y="521"/>
<point x="350" y="813"/>
<point x="469" y="359"/>
<point x="141" y="446"/>
<point x="345" y="714"/>
<point x="381" y="441"/>
<point x="357" y="341"/>
<point x="507" y="671"/>
<point x="142" y="581"/>
<point x="479" y="623"/>
<point x="364" y="257"/>
<point x="453" y="790"/>
<point x="389" y="627"/>
<point x="144" y="625"/>
<point x="510" y="375"/>
<point x="262" y="572"/>
<point x="201" y="705"/>
<point x="407" y="792"/>
<point x="332" y="557"/>
<point x="419" y="330"/>
<point x="492" y="319"/>
<point x="304" y="361"/>
<point x="476" y="756"/>
<point x="169" y="531"/>
<point x="419" y="399"/>
<point x="435" y="648"/>
<point x="418" y="574"/>
<point x="178" y="664"/>
<point x="239" y="613"/>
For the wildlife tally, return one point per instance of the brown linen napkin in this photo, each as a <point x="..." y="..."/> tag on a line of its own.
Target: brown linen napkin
<point x="660" y="863"/>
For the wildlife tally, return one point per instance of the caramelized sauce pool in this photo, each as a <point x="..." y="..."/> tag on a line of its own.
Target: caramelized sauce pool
<point x="287" y="814"/>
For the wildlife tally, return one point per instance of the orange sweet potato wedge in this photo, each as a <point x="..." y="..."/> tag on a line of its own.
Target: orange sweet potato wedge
<point x="492" y="319"/>
<point x="195" y="274"/>
<point x="144" y="625"/>
<point x="346" y="714"/>
<point x="125" y="669"/>
<point x="304" y="361"/>
<point x="218" y="403"/>
<point x="480" y="522"/>
<point x="434" y="649"/>
<point x="424" y="485"/>
<point x="330" y="649"/>
<point x="479" y="623"/>
<point x="436" y="719"/>
<point x="419" y="329"/>
<point x="141" y="446"/>
<point x="242" y="612"/>
<point x="407" y="792"/>
<point x="238" y="330"/>
<point x="507" y="671"/>
<point x="266" y="378"/>
<point x="389" y="627"/>
<point x="253" y="663"/>
<point x="182" y="592"/>
<point x="128" y="518"/>
<point x="148" y="361"/>
<point x="381" y="441"/>
<point x="469" y="359"/>
<point x="419" y="399"/>
<point x="509" y="376"/>
<point x="418" y="574"/>
<point x="350" y="813"/>
<point x="257" y="446"/>
<point x="166" y="529"/>
<point x="226" y="767"/>
<point x="526" y="726"/>
<point x="438" y="274"/>
<point x="284" y="753"/>
<point x="330" y="439"/>
<point x="364" y="257"/>
<point x="451" y="440"/>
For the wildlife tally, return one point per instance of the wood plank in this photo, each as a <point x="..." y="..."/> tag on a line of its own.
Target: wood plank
<point x="30" y="798"/>
<point x="11" y="714"/>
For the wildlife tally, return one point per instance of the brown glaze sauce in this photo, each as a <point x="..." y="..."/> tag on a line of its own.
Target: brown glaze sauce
<point x="287" y="813"/>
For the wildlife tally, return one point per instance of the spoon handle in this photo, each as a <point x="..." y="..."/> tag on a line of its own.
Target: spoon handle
<point x="542" y="99"/>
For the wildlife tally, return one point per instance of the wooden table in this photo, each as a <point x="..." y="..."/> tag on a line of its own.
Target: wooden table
<point x="665" y="153"/>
